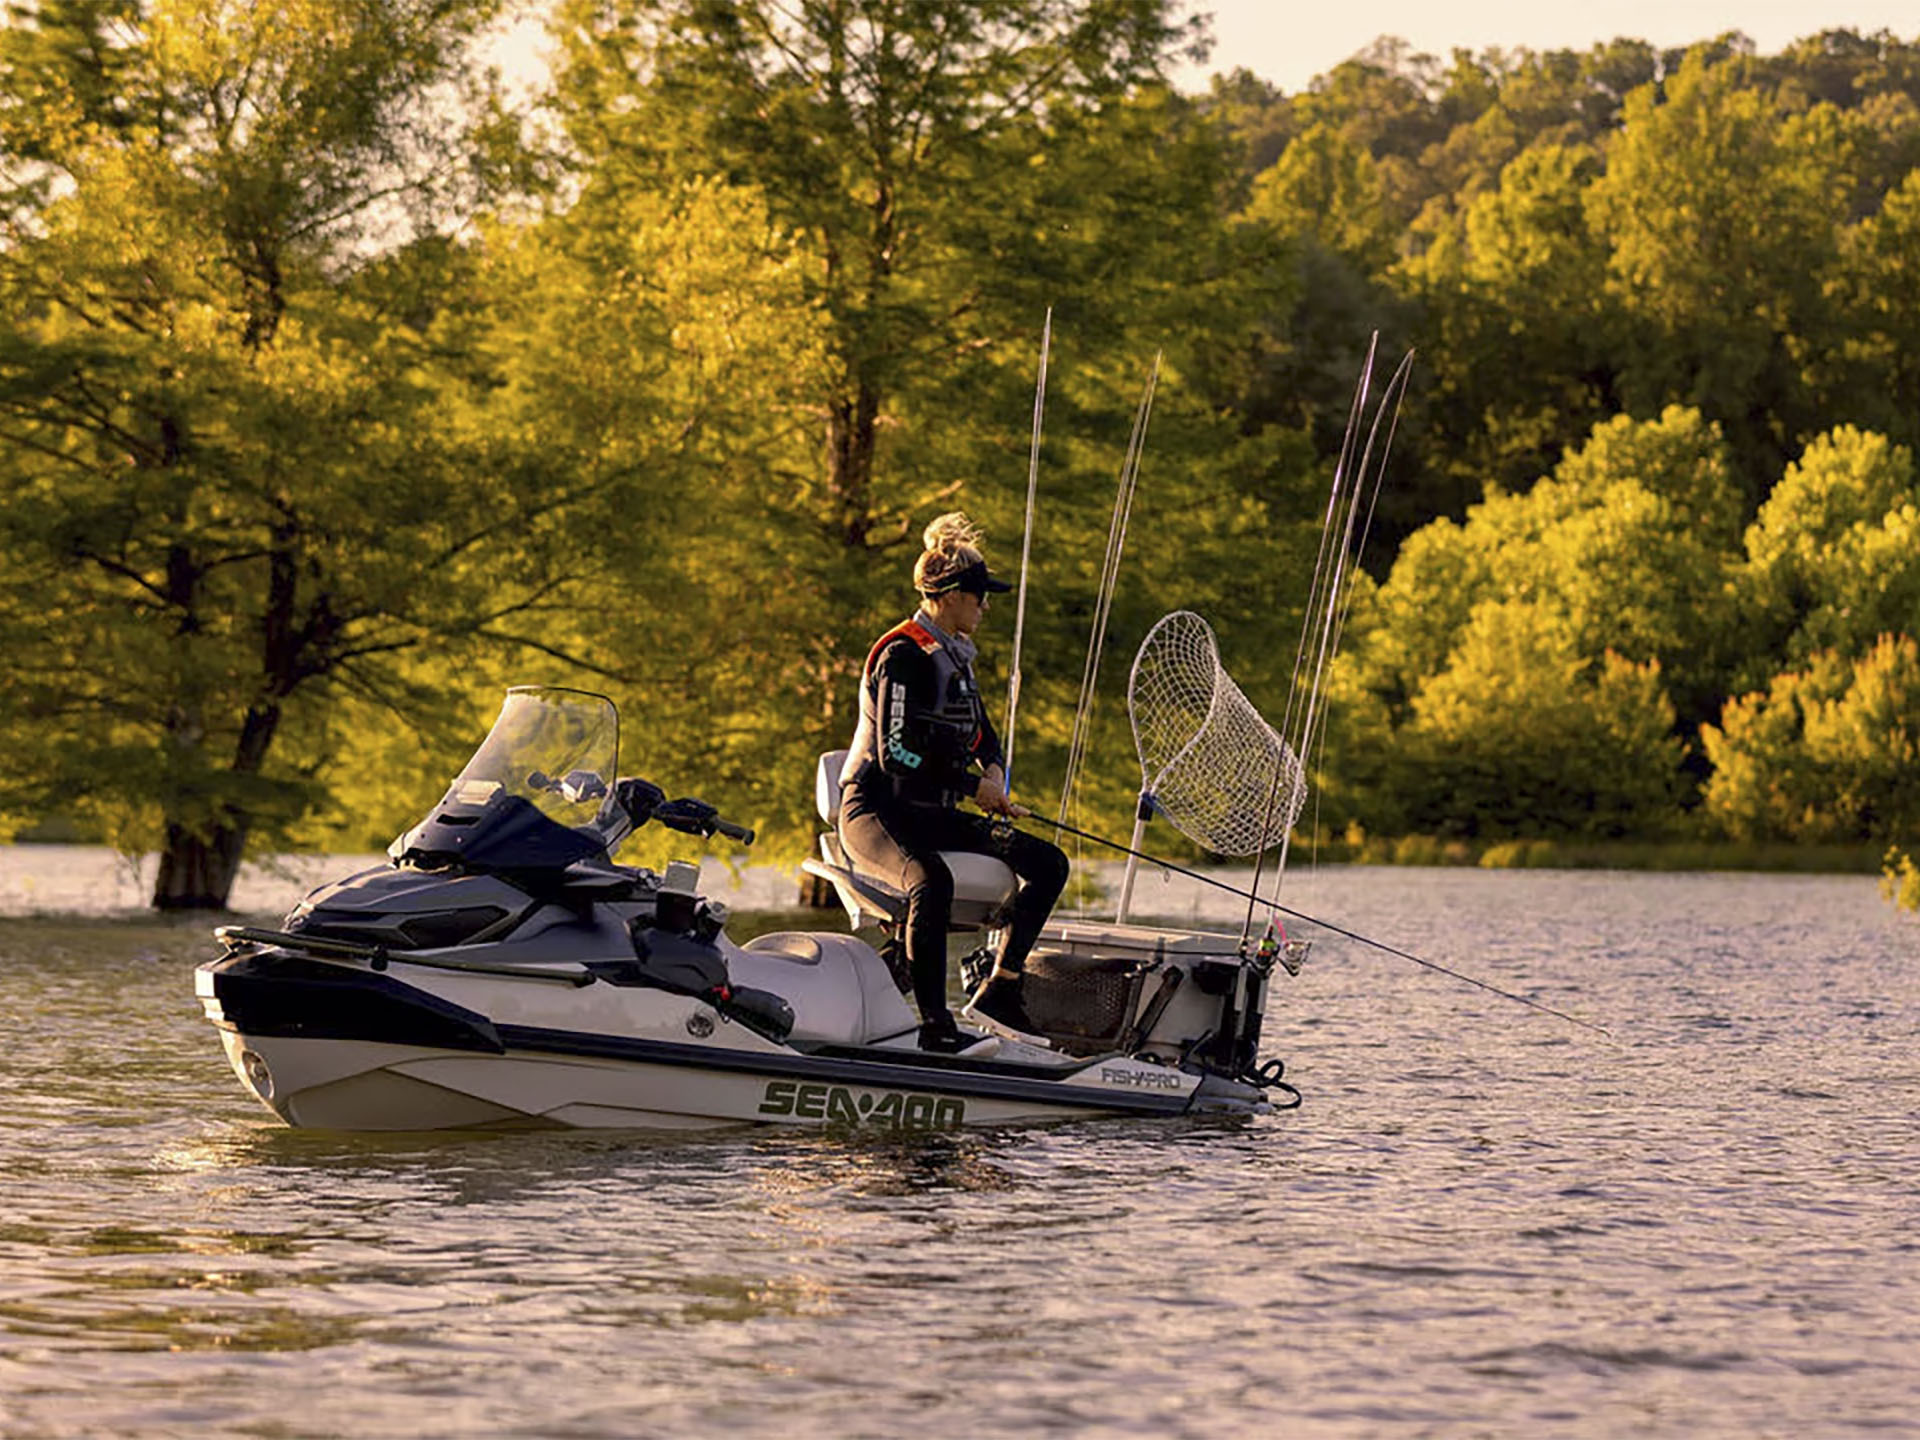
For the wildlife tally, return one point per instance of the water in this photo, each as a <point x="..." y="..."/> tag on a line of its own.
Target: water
<point x="1483" y="1221"/>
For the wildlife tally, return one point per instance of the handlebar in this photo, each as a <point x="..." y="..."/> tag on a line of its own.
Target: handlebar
<point x="638" y="797"/>
<point x="695" y="817"/>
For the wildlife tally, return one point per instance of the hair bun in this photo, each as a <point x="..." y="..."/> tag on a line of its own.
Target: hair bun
<point x="950" y="532"/>
<point x="952" y="544"/>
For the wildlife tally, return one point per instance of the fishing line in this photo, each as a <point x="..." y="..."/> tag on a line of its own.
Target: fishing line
<point x="1335" y="929"/>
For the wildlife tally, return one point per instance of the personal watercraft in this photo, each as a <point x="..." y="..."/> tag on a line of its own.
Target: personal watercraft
<point x="503" y="970"/>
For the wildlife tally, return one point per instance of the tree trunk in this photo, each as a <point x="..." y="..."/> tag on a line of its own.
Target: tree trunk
<point x="851" y="423"/>
<point x="197" y="871"/>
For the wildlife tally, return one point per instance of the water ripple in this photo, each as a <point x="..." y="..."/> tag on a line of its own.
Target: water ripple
<point x="1482" y="1223"/>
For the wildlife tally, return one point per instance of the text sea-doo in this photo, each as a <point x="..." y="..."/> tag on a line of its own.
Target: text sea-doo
<point x="503" y="970"/>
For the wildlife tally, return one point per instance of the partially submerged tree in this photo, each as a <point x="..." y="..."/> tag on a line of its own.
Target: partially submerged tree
<point x="229" y="477"/>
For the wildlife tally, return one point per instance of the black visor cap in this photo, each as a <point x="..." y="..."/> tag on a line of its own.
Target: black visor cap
<point x="977" y="580"/>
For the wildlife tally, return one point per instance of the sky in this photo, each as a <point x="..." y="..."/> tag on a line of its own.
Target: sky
<point x="1288" y="42"/>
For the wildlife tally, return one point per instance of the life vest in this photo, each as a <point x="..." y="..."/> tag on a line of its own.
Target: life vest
<point x="958" y="710"/>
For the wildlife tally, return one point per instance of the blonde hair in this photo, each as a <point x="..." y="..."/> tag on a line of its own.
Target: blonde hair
<point x="952" y="544"/>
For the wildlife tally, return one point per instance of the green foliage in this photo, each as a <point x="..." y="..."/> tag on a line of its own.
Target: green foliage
<point x="1679" y="457"/>
<point x="1626" y="556"/>
<point x="1828" y="752"/>
<point x="1718" y="239"/>
<point x="641" y="360"/>
<point x="1719" y="217"/>
<point x="1522" y="735"/>
<point x="1878" y="362"/>
<point x="229" y="480"/>
<point x="937" y="183"/>
<point x="1833" y="558"/>
<point x="1519" y="320"/>
<point x="331" y="403"/>
<point x="1616" y="551"/>
<point x="899" y="144"/>
<point x="1327" y="186"/>
<point x="1900" y="879"/>
<point x="1568" y="236"/>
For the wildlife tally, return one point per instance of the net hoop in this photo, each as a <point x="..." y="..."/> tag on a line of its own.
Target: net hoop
<point x="1208" y="761"/>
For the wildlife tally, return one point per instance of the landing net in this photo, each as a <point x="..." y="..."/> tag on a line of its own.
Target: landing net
<point x="1208" y="762"/>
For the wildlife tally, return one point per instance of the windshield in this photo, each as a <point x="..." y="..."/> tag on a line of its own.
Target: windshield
<point x="555" y="748"/>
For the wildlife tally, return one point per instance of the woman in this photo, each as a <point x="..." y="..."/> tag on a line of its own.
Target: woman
<point x="923" y="744"/>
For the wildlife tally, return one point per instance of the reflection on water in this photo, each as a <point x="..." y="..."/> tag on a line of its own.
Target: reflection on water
<point x="1482" y="1222"/>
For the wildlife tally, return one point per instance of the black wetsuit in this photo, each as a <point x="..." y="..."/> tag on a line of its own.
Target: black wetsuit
<point x="923" y="729"/>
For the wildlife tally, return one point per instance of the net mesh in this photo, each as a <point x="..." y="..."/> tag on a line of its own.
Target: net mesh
<point x="1207" y="759"/>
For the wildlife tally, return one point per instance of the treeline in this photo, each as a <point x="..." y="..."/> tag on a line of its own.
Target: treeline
<point x="1668" y="310"/>
<point x="340" y="387"/>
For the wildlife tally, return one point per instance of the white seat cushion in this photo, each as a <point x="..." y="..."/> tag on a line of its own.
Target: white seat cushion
<point x="983" y="887"/>
<point x="826" y="785"/>
<point x="979" y="879"/>
<point x="840" y="990"/>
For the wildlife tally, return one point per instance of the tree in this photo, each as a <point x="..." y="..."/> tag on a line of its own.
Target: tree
<point x="667" y="343"/>
<point x="1321" y="211"/>
<point x="1833" y="558"/>
<point x="1609" y="581"/>
<point x="1327" y="187"/>
<point x="1519" y="320"/>
<point x="1384" y="101"/>
<point x="1880" y="280"/>
<point x="1719" y="218"/>
<point x="942" y="174"/>
<point x="644" y="362"/>
<point x="1257" y="114"/>
<point x="1838" y="67"/>
<point x="1523" y="736"/>
<point x="1900" y="879"/>
<point x="231" y="485"/>
<point x="1827" y="753"/>
<point x="874" y="129"/>
<point x="1626" y="543"/>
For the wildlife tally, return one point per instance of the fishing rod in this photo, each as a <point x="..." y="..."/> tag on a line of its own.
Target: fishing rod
<point x="1109" y="578"/>
<point x="1330" y="926"/>
<point x="1026" y="545"/>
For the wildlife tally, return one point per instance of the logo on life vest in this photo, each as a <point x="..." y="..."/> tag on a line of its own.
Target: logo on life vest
<point x="887" y="1110"/>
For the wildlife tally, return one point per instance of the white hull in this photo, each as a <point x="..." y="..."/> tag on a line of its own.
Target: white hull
<point x="365" y="1085"/>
